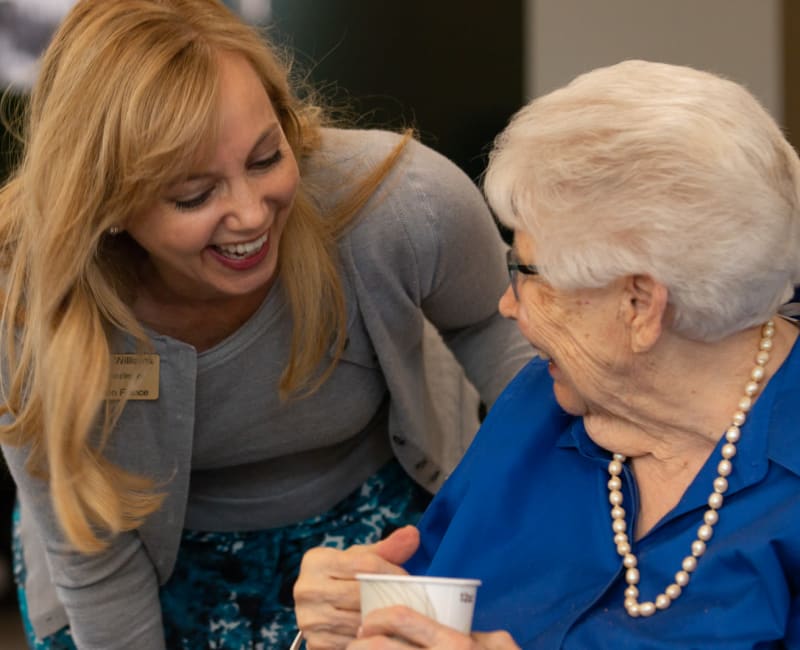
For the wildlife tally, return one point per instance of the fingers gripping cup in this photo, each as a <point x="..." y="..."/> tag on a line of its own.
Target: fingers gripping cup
<point x="449" y="601"/>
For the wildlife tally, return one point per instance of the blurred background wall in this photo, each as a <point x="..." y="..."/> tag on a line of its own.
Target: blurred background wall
<point x="740" y="39"/>
<point x="456" y="69"/>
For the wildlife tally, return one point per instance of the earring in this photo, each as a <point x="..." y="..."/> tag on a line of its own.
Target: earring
<point x="114" y="230"/>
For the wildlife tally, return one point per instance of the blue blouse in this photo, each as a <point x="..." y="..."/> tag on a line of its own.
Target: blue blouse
<point x="527" y="512"/>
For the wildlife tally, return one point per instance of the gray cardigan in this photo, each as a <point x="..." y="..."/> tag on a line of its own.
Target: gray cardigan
<point x="424" y="268"/>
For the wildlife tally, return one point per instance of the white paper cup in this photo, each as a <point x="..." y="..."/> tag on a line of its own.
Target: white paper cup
<point x="450" y="601"/>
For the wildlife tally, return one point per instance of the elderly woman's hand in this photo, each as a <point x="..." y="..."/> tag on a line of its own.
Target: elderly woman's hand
<point x="326" y="594"/>
<point x="399" y="628"/>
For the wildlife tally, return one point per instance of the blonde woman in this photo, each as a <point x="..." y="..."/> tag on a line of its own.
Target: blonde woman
<point x="229" y="333"/>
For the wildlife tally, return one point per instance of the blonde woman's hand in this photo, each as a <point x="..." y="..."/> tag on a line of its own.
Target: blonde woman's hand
<point x="326" y="594"/>
<point x="401" y="628"/>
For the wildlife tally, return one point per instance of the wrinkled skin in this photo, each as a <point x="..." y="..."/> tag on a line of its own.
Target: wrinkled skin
<point x="327" y="603"/>
<point x="327" y="600"/>
<point x="400" y="628"/>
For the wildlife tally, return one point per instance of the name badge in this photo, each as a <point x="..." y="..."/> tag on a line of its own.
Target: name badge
<point x="134" y="376"/>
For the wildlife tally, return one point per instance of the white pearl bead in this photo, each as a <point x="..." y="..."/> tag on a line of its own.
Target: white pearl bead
<point x="633" y="610"/>
<point x="632" y="592"/>
<point x="615" y="497"/>
<point x="632" y="576"/>
<point x="762" y="358"/>
<point x="682" y="578"/>
<point x="698" y="547"/>
<point x="757" y="373"/>
<point x="615" y="468"/>
<point x="619" y="538"/>
<point x="704" y="533"/>
<point x="619" y="526"/>
<point x="620" y="457"/>
<point x="724" y="468"/>
<point x="768" y="328"/>
<point x="631" y="602"/>
<point x="732" y="434"/>
<point x="663" y="601"/>
<point x="720" y="484"/>
<point x="647" y="608"/>
<point x="766" y="344"/>
<point x="715" y="500"/>
<point x="728" y="451"/>
<point x="614" y="483"/>
<point x="739" y="418"/>
<point x="618" y="512"/>
<point x="673" y="591"/>
<point x="745" y="403"/>
<point x="689" y="563"/>
<point x="623" y="549"/>
<point x="751" y="388"/>
<point x="711" y="517"/>
<point x="630" y="561"/>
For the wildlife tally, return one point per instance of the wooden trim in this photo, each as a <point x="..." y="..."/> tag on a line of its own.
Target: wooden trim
<point x="791" y="70"/>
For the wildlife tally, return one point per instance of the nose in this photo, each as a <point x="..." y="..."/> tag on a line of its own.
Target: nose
<point x="508" y="304"/>
<point x="247" y="208"/>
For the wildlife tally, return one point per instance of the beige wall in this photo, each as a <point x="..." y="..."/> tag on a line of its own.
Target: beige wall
<point x="741" y="39"/>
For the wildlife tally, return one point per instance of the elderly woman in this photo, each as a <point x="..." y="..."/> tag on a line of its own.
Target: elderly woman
<point x="638" y="486"/>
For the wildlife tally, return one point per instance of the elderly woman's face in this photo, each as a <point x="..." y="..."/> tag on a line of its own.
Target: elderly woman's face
<point x="580" y="331"/>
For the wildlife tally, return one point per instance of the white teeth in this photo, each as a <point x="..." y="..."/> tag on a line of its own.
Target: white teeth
<point x="243" y="250"/>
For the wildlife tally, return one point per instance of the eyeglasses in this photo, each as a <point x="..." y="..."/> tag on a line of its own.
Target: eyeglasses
<point x="515" y="268"/>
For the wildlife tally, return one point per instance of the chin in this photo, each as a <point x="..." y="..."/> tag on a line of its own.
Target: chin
<point x="250" y="282"/>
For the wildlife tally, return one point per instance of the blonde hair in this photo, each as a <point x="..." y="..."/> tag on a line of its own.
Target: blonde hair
<point x="653" y="168"/>
<point x="126" y="97"/>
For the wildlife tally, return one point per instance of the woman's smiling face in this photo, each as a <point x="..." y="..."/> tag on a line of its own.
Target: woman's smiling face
<point x="215" y="234"/>
<point x="581" y="332"/>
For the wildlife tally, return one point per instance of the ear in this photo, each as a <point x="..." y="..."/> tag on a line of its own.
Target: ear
<point x="646" y="307"/>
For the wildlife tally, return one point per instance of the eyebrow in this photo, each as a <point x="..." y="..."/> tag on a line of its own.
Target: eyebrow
<point x="268" y="133"/>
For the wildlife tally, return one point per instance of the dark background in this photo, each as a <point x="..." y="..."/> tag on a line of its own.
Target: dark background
<point x="452" y="69"/>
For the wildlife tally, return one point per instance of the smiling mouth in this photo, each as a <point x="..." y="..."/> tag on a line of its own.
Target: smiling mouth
<point x="242" y="251"/>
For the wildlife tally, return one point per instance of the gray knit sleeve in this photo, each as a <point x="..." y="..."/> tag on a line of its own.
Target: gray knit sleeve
<point x="437" y="235"/>
<point x="462" y="258"/>
<point x="110" y="600"/>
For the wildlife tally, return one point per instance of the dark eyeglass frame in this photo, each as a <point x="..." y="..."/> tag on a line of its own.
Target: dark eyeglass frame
<point x="515" y="268"/>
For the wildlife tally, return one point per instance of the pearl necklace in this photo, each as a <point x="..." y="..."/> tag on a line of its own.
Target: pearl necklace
<point x="710" y="517"/>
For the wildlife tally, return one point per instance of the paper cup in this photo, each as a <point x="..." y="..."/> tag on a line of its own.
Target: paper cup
<point x="450" y="601"/>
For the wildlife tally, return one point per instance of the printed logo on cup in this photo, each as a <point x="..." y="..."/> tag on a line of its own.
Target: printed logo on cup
<point x="450" y="601"/>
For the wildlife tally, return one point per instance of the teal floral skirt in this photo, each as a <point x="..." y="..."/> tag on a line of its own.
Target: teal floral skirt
<point x="234" y="590"/>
